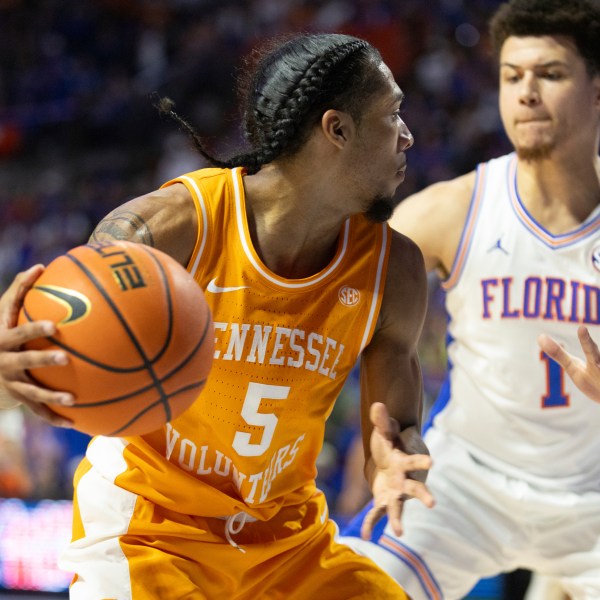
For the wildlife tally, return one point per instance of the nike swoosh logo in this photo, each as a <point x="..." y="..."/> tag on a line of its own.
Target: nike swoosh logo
<point x="77" y="305"/>
<point x="213" y="288"/>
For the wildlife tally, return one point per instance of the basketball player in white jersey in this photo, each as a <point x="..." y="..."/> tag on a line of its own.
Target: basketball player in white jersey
<point x="515" y="443"/>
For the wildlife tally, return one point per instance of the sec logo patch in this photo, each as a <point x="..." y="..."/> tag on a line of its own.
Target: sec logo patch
<point x="349" y="296"/>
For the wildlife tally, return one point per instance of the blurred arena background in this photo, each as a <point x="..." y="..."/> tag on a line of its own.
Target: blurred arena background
<point x="79" y="135"/>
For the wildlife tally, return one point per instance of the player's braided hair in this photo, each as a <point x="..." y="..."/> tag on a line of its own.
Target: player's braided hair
<point x="288" y="88"/>
<point x="578" y="19"/>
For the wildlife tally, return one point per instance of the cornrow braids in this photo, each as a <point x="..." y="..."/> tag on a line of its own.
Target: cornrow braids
<point x="272" y="124"/>
<point x="166" y="107"/>
<point x="292" y="85"/>
<point x="287" y="86"/>
<point x="250" y="160"/>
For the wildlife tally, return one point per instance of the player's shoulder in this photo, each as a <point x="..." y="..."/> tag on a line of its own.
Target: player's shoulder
<point x="164" y="218"/>
<point x="434" y="218"/>
<point x="173" y="201"/>
<point x="459" y="187"/>
<point x="441" y="204"/>
<point x="444" y="195"/>
<point x="404" y="251"/>
<point x="406" y="265"/>
<point x="405" y="294"/>
<point x="205" y="173"/>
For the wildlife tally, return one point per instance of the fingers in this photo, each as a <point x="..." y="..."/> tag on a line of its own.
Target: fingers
<point x="46" y="413"/>
<point x="16" y="384"/>
<point x="13" y="338"/>
<point x="399" y="471"/>
<point x="408" y="488"/>
<point x="589" y="347"/>
<point x="15" y="365"/>
<point x="411" y="462"/>
<point x="379" y="416"/>
<point x="31" y="394"/>
<point x="394" y="506"/>
<point x="17" y="362"/>
<point x="418" y="490"/>
<point x="371" y="518"/>
<point x="12" y="299"/>
<point x="14" y="362"/>
<point x="394" y="514"/>
<point x="381" y="420"/>
<point x="555" y="351"/>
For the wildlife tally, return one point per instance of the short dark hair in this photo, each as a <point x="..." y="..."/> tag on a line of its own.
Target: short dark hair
<point x="288" y="84"/>
<point x="577" y="19"/>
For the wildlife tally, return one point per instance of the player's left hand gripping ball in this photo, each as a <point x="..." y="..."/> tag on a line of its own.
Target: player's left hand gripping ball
<point x="138" y="332"/>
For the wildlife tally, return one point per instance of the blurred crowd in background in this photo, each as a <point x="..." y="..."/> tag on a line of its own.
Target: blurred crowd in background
<point x="79" y="135"/>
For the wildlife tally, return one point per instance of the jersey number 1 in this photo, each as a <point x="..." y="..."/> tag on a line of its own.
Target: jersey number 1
<point x="555" y="389"/>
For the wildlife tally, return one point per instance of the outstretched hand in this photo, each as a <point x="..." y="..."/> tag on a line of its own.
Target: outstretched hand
<point x="15" y="384"/>
<point x="391" y="484"/>
<point x="585" y="374"/>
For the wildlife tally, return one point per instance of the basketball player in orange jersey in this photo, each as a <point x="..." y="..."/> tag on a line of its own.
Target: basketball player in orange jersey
<point x="303" y="276"/>
<point x="515" y="443"/>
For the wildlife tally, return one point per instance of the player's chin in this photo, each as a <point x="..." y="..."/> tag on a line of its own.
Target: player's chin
<point x="381" y="209"/>
<point x="534" y="153"/>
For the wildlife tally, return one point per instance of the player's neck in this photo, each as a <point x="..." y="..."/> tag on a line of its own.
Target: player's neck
<point x="291" y="228"/>
<point x="560" y="195"/>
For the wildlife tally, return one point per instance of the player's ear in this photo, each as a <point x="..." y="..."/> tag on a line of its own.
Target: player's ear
<point x="338" y="127"/>
<point x="596" y="88"/>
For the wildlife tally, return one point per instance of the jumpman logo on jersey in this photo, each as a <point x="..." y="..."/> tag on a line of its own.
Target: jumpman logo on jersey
<point x="498" y="246"/>
<point x="596" y="258"/>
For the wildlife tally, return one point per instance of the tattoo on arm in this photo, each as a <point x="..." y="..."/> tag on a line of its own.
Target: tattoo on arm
<point x="123" y="225"/>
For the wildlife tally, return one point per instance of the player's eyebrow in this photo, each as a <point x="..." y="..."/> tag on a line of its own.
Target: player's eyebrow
<point x="398" y="96"/>
<point x="551" y="63"/>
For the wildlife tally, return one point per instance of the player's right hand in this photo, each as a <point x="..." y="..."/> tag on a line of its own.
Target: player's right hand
<point x="15" y="384"/>
<point x="391" y="484"/>
<point x="584" y="373"/>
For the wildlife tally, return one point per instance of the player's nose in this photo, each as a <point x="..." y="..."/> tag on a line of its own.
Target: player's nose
<point x="406" y="139"/>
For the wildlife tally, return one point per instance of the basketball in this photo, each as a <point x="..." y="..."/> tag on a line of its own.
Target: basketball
<point x="137" y="330"/>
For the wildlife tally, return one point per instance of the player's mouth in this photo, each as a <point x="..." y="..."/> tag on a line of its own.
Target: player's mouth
<point x="532" y="121"/>
<point x="401" y="170"/>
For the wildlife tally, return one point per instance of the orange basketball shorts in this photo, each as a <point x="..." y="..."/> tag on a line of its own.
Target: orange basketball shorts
<point x="127" y="548"/>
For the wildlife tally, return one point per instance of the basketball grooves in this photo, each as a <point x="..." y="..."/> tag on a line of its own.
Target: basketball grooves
<point x="147" y="363"/>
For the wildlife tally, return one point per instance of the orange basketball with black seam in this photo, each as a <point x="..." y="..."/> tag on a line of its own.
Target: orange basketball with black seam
<point x="137" y="330"/>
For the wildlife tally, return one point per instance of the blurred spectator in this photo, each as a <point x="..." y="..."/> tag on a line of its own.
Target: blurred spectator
<point x="15" y="479"/>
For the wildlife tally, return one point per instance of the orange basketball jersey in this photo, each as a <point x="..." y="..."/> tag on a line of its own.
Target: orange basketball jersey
<point x="283" y="349"/>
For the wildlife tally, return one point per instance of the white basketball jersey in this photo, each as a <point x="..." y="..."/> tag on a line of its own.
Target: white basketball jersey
<point x="513" y="407"/>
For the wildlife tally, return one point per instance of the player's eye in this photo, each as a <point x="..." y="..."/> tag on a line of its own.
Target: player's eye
<point x="552" y="75"/>
<point x="510" y="78"/>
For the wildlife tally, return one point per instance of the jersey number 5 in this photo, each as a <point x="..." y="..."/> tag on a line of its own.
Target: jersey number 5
<point x="255" y="394"/>
<point x="555" y="395"/>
